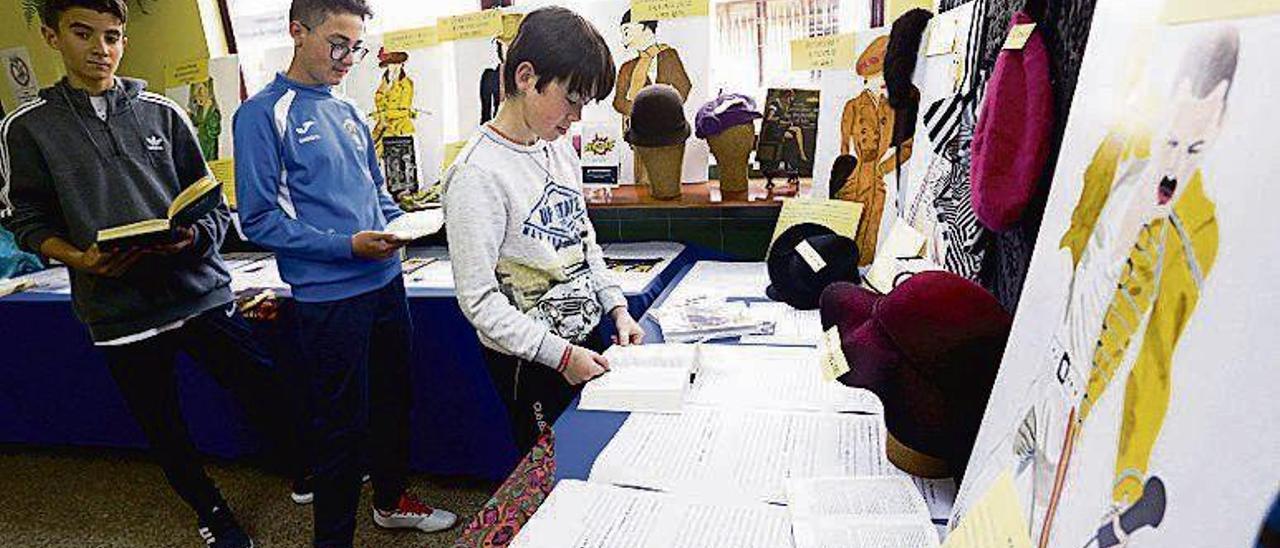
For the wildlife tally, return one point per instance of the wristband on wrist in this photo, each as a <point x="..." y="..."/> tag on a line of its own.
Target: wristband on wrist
<point x="564" y="359"/>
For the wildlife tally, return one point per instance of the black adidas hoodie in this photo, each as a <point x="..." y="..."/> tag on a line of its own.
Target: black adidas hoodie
<point x="67" y="173"/>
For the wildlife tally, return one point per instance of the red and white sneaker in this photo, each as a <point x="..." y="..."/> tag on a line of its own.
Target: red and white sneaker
<point x="411" y="513"/>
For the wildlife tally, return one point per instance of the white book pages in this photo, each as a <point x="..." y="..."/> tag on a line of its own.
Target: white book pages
<point x="589" y="515"/>
<point x="791" y="327"/>
<point x="762" y="377"/>
<point x="750" y="454"/>
<point x="417" y="224"/>
<point x="868" y="498"/>
<point x="637" y="390"/>
<point x="863" y="534"/>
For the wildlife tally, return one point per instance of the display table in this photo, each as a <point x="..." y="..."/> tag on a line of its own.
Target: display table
<point x="55" y="388"/>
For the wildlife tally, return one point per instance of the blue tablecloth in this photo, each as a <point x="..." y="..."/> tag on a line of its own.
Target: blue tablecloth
<point x="55" y="388"/>
<point x="582" y="435"/>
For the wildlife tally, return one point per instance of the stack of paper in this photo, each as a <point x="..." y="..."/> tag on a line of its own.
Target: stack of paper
<point x="770" y="377"/>
<point x="748" y="453"/>
<point x="650" y="378"/>
<point x="871" y="512"/>
<point x="590" y="515"/>
<point x="789" y="326"/>
<point x="704" y="319"/>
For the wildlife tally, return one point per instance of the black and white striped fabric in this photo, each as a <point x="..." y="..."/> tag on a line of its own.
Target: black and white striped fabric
<point x="942" y="121"/>
<point x="943" y="210"/>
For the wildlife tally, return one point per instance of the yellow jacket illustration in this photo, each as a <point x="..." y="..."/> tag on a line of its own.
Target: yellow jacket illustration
<point x="393" y="110"/>
<point x="1163" y="277"/>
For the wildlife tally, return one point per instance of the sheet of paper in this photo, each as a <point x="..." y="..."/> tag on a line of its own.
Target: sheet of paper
<point x="996" y="519"/>
<point x="840" y="216"/>
<point x="831" y="357"/>
<point x="583" y="515"/>
<point x="723" y="280"/>
<point x="884" y="497"/>
<point x="749" y="454"/>
<point x="791" y="327"/>
<point x="55" y="280"/>
<point x="830" y="52"/>
<point x="634" y="283"/>
<point x="939" y="495"/>
<point x="862" y="534"/>
<point x="782" y="378"/>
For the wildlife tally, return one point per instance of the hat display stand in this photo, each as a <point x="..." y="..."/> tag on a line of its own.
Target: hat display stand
<point x="914" y="462"/>
<point x="732" y="149"/>
<point x="663" y="165"/>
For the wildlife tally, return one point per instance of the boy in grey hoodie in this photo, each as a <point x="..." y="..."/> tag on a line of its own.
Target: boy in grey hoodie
<point x="95" y="151"/>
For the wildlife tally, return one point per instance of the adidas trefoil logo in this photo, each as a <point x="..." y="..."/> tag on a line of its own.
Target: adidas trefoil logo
<point x="155" y="143"/>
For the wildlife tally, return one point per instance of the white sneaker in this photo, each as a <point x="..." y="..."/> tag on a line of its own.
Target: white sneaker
<point x="411" y="513"/>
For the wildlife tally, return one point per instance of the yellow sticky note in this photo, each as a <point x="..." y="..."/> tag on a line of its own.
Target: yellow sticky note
<point x="657" y="10"/>
<point x="511" y="26"/>
<point x="896" y="8"/>
<point x="1019" y="35"/>
<point x="224" y="171"/>
<point x="1187" y="11"/>
<point x="832" y="357"/>
<point x="840" y="216"/>
<point x="483" y="24"/>
<point x="834" y="52"/>
<point x="411" y="39"/>
<point x="997" y="519"/>
<point x="186" y="73"/>
<point x="451" y="151"/>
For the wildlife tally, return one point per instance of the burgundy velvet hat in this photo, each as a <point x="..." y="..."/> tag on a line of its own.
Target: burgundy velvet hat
<point x="1012" y="140"/>
<point x="930" y="350"/>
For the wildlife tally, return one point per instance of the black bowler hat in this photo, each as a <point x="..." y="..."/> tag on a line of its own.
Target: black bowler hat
<point x="807" y="258"/>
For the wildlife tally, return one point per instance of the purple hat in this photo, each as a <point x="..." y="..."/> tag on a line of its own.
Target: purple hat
<point x="723" y="112"/>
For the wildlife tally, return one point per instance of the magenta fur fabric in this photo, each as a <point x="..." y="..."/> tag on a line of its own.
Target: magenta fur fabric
<point x="1011" y="142"/>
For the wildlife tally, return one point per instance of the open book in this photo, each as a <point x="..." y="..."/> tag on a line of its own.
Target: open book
<point x="650" y="378"/>
<point x="417" y="224"/>
<point x="193" y="203"/>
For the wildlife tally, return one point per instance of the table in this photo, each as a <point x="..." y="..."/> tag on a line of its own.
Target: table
<point x="55" y="388"/>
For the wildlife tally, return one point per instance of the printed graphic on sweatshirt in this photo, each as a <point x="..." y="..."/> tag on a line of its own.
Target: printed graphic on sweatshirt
<point x="558" y="217"/>
<point x="561" y="296"/>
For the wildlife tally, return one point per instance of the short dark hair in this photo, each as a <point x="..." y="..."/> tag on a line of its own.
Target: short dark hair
<point x="313" y="13"/>
<point x="561" y="46"/>
<point x="51" y="10"/>
<point x="1211" y="61"/>
<point x="653" y="25"/>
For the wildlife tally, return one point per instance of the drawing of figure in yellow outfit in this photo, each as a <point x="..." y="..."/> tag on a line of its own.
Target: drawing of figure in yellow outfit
<point x="1143" y="237"/>
<point x="393" y="101"/>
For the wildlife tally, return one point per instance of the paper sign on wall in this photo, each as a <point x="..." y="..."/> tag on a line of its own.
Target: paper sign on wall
<point x="186" y="73"/>
<point x="840" y="216"/>
<point x="995" y="520"/>
<point x="411" y="39"/>
<point x="225" y="172"/>
<point x="896" y="8"/>
<point x="21" y="74"/>
<point x="1019" y="35"/>
<point x="834" y="52"/>
<point x="484" y="24"/>
<point x="656" y="10"/>
<point x="1187" y="11"/>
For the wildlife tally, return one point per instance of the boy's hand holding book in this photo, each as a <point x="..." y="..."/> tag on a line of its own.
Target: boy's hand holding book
<point x="108" y="264"/>
<point x="581" y="365"/>
<point x="376" y="246"/>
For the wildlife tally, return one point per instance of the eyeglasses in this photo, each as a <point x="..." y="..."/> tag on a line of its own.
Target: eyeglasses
<point x="341" y="49"/>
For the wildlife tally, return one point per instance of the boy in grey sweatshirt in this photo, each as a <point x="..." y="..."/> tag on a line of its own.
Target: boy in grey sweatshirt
<point x="95" y="151"/>
<point x="529" y="274"/>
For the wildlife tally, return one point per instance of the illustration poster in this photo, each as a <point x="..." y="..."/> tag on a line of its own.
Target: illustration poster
<point x="209" y="90"/>
<point x="671" y="51"/>
<point x="788" y="133"/>
<point x="398" y="89"/>
<point x="1136" y="401"/>
<point x="855" y="120"/>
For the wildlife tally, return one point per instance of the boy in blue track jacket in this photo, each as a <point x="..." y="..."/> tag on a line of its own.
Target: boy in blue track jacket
<point x="309" y="188"/>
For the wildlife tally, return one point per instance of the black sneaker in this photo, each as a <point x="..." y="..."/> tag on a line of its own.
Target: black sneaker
<point x="302" y="492"/>
<point x="220" y="530"/>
